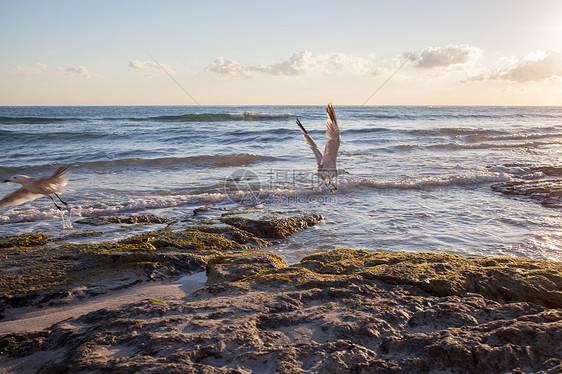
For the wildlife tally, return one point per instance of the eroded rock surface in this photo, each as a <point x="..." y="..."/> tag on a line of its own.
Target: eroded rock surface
<point x="325" y="323"/>
<point x="542" y="184"/>
<point x="272" y="227"/>
<point x="32" y="273"/>
<point x="146" y="219"/>
<point x="342" y="311"/>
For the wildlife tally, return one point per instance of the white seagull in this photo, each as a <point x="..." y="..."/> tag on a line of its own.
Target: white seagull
<point x="35" y="187"/>
<point x="326" y="163"/>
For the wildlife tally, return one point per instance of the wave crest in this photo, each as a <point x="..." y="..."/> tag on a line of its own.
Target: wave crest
<point x="219" y="117"/>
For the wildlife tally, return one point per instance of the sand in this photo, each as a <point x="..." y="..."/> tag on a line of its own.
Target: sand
<point x="29" y="318"/>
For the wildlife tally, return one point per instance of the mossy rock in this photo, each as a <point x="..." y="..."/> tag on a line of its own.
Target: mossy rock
<point x="234" y="234"/>
<point x="505" y="279"/>
<point x="39" y="269"/>
<point x="24" y="240"/>
<point x="187" y="240"/>
<point x="272" y="227"/>
<point x="32" y="269"/>
<point x="240" y="265"/>
<point x="146" y="219"/>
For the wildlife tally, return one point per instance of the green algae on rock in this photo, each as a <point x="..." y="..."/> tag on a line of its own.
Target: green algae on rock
<point x="145" y="219"/>
<point x="24" y="240"/>
<point x="185" y="241"/>
<point x="504" y="279"/>
<point x="227" y="231"/>
<point x="240" y="265"/>
<point x="272" y="226"/>
<point x="39" y="270"/>
<point x="344" y="327"/>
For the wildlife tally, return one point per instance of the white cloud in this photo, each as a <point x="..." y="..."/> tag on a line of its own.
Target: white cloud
<point x="356" y="64"/>
<point x="536" y="66"/>
<point x="78" y="72"/>
<point x="440" y="57"/>
<point x="298" y="64"/>
<point x="36" y="69"/>
<point x="150" y="68"/>
<point x="229" y="67"/>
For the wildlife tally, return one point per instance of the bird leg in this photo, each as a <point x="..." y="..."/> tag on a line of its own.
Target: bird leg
<point x="65" y="203"/>
<point x="54" y="202"/>
<point x="331" y="187"/>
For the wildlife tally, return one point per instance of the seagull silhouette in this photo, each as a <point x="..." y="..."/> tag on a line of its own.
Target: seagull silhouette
<point x="326" y="163"/>
<point x="35" y="187"/>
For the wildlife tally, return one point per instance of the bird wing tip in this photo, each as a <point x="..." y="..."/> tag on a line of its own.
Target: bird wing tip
<point x="301" y="126"/>
<point x="331" y="113"/>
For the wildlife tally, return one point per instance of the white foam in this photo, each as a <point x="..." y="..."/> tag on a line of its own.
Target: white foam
<point x="425" y="182"/>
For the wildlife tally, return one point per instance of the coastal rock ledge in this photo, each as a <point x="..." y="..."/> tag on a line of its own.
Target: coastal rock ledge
<point x="342" y="311"/>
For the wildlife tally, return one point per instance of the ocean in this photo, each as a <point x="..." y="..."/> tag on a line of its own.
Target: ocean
<point x="472" y="181"/>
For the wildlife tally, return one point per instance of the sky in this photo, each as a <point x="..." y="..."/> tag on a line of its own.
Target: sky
<point x="431" y="52"/>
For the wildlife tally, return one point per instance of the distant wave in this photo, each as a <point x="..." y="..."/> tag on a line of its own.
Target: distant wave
<point x="483" y="137"/>
<point x="364" y="130"/>
<point x="219" y="117"/>
<point x="194" y="117"/>
<point x="37" y="120"/>
<point x="45" y="135"/>
<point x="457" y="131"/>
<point x="490" y="145"/>
<point x="230" y="160"/>
<point x="211" y="161"/>
<point x="479" y="134"/>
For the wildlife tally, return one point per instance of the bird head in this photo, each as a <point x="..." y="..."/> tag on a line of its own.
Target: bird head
<point x="342" y="171"/>
<point x="16" y="179"/>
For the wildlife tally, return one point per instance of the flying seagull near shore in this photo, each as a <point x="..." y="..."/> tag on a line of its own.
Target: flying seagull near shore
<point x="326" y="163"/>
<point x="35" y="187"/>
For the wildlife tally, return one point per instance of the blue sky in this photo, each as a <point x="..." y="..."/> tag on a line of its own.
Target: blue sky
<point x="501" y="52"/>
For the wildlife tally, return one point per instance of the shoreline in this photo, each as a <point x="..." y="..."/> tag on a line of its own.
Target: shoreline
<point x="30" y="318"/>
<point x="202" y="296"/>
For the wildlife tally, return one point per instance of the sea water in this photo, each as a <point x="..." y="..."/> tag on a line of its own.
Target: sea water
<point x="421" y="178"/>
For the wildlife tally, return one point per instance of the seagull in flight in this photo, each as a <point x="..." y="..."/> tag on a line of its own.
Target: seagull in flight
<point x="35" y="187"/>
<point x="326" y="163"/>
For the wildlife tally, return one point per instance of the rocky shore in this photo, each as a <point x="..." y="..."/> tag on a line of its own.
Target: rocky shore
<point x="342" y="311"/>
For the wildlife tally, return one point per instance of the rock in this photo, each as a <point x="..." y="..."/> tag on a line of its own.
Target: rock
<point x="185" y="240"/>
<point x="240" y="265"/>
<point x="235" y="234"/>
<point x="548" y="192"/>
<point x="146" y="219"/>
<point x="505" y="279"/>
<point x="201" y="209"/>
<point x="24" y="240"/>
<point x="272" y="227"/>
<point x="363" y="328"/>
<point x="343" y="310"/>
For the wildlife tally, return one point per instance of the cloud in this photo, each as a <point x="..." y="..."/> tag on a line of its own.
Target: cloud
<point x="356" y="64"/>
<point x="442" y="57"/>
<point x="536" y="66"/>
<point x="36" y="69"/>
<point x="150" y="68"/>
<point x="78" y="72"/>
<point x="229" y="67"/>
<point x="298" y="64"/>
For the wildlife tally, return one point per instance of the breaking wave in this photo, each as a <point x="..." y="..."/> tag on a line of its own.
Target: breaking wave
<point x="219" y="117"/>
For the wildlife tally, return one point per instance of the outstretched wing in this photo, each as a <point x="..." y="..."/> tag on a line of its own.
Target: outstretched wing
<point x="59" y="178"/>
<point x="18" y="197"/>
<point x="311" y="143"/>
<point x="333" y="142"/>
